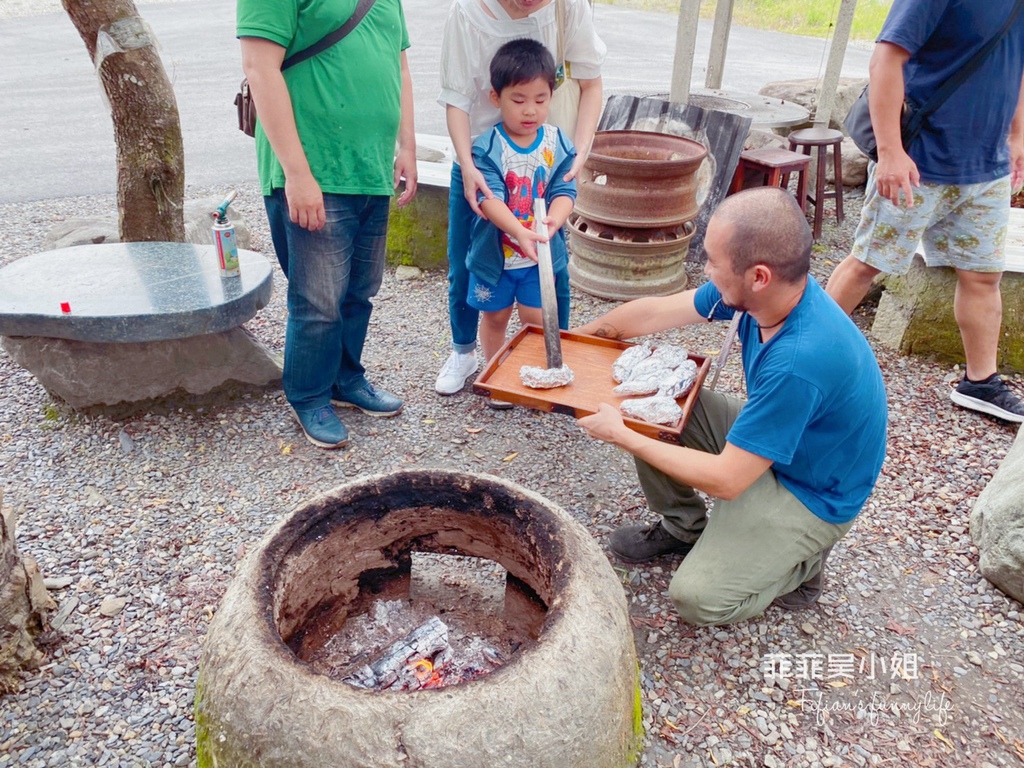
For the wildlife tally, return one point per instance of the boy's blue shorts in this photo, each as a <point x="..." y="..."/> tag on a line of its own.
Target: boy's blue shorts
<point x="515" y="285"/>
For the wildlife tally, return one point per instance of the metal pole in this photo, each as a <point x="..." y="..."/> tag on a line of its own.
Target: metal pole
<point x="686" y="45"/>
<point x="719" y="44"/>
<point x="836" y="54"/>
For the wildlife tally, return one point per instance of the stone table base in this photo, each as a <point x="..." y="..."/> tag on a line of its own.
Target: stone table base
<point x="86" y="373"/>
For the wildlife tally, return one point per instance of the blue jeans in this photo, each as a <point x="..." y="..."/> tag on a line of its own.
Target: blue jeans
<point x="332" y="275"/>
<point x="464" y="319"/>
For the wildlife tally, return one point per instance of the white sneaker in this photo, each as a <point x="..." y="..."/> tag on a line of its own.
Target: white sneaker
<point x="456" y="369"/>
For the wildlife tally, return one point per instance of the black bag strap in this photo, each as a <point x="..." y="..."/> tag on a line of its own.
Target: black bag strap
<point x="326" y="42"/>
<point x="947" y="88"/>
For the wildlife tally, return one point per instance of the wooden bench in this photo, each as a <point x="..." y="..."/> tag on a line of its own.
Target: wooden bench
<point x="125" y="322"/>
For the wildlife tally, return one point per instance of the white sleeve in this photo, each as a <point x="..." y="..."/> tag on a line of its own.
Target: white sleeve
<point x="459" y="61"/>
<point x="584" y="50"/>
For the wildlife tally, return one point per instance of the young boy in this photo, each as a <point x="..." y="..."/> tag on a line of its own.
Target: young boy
<point x="521" y="159"/>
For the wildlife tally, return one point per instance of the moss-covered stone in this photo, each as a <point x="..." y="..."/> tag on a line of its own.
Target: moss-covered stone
<point x="915" y="316"/>
<point x="418" y="233"/>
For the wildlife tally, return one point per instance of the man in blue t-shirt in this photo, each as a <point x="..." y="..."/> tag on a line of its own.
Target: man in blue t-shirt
<point x="793" y="465"/>
<point x="951" y="186"/>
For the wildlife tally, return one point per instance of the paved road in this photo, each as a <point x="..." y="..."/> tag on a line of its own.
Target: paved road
<point x="56" y="138"/>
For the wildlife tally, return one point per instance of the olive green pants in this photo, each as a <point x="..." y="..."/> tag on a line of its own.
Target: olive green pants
<point x="747" y="551"/>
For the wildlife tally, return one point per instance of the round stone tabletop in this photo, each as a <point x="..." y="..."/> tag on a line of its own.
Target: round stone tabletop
<point x="121" y="292"/>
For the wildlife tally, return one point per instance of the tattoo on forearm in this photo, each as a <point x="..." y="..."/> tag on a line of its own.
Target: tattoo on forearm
<point x="608" y="332"/>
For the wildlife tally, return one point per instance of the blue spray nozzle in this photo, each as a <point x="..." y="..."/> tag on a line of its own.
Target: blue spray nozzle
<point x="221" y="213"/>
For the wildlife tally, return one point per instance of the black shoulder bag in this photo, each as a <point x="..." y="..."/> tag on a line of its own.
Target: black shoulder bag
<point x="858" y="120"/>
<point x="243" y="99"/>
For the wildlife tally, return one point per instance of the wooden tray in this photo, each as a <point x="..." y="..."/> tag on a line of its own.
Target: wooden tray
<point x="590" y="358"/>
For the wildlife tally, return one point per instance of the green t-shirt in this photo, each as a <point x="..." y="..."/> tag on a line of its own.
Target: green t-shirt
<point x="346" y="99"/>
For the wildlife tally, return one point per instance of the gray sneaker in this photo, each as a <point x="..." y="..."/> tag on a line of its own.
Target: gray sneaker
<point x="990" y="396"/>
<point x="636" y="543"/>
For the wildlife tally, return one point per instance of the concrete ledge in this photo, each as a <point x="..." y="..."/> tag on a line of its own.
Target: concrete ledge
<point x="418" y="233"/>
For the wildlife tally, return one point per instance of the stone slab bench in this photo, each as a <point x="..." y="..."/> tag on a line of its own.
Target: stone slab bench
<point x="139" y="321"/>
<point x="915" y="312"/>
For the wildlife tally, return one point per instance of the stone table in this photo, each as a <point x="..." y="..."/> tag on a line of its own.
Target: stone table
<point x="125" y="322"/>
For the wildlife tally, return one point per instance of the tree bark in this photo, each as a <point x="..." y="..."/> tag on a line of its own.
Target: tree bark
<point x="23" y="606"/>
<point x="150" y="155"/>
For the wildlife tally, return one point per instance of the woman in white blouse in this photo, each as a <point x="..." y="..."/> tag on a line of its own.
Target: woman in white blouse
<point x="475" y="29"/>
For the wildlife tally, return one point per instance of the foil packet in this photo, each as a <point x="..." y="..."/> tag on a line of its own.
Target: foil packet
<point x="659" y="409"/>
<point x="672" y="356"/>
<point x="628" y="360"/>
<point x="545" y="378"/>
<point x="680" y="381"/>
<point x="653" y="380"/>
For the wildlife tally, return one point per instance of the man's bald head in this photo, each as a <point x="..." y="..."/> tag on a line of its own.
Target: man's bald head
<point x="765" y="226"/>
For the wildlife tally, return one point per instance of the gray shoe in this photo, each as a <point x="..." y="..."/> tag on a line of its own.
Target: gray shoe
<point x="808" y="593"/>
<point x="636" y="543"/>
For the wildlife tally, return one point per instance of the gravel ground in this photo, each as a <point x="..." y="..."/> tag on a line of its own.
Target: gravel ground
<point x="156" y="509"/>
<point x="145" y="516"/>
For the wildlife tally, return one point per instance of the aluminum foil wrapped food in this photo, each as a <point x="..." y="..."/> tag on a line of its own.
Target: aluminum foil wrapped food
<point x="650" y="380"/>
<point x="628" y="359"/>
<point x="659" y="409"/>
<point x="545" y="378"/>
<point x="680" y="381"/>
<point x="671" y="355"/>
<point x="647" y="377"/>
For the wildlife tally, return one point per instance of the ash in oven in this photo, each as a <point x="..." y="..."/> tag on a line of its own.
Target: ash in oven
<point x="450" y="620"/>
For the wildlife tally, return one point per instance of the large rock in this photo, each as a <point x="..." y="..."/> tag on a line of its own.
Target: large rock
<point x="854" y="166"/>
<point x="997" y="524"/>
<point x="915" y="316"/>
<point x="87" y="373"/>
<point x="103" y="229"/>
<point x="805" y="93"/>
<point x="758" y="139"/>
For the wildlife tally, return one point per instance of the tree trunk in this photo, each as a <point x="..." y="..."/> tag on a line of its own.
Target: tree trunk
<point x="150" y="156"/>
<point x="23" y="606"/>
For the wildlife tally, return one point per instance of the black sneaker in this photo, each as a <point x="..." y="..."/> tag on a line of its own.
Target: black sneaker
<point x="808" y="593"/>
<point x="990" y="396"/>
<point x="636" y="543"/>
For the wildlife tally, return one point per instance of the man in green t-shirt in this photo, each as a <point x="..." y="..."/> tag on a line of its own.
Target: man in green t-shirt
<point x="325" y="147"/>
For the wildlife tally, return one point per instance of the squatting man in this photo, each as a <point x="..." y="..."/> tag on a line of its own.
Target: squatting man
<point x="791" y="467"/>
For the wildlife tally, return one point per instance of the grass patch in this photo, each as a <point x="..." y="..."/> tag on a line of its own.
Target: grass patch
<point x="813" y="18"/>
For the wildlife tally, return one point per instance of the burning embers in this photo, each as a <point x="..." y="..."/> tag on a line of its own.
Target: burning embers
<point x="487" y="618"/>
<point x="423" y="659"/>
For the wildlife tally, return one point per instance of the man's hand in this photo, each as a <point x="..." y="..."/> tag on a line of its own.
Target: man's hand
<point x="305" y="202"/>
<point x="606" y="425"/>
<point x="897" y="173"/>
<point x="473" y="183"/>
<point x="405" y="168"/>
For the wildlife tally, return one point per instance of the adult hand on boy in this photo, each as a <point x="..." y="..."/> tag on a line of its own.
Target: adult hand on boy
<point x="474" y="185"/>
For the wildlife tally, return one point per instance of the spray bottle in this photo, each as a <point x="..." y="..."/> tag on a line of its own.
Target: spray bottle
<point x="224" y="238"/>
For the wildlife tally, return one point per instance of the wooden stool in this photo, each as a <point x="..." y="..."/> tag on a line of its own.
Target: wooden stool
<point x="822" y="138"/>
<point x="773" y="166"/>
